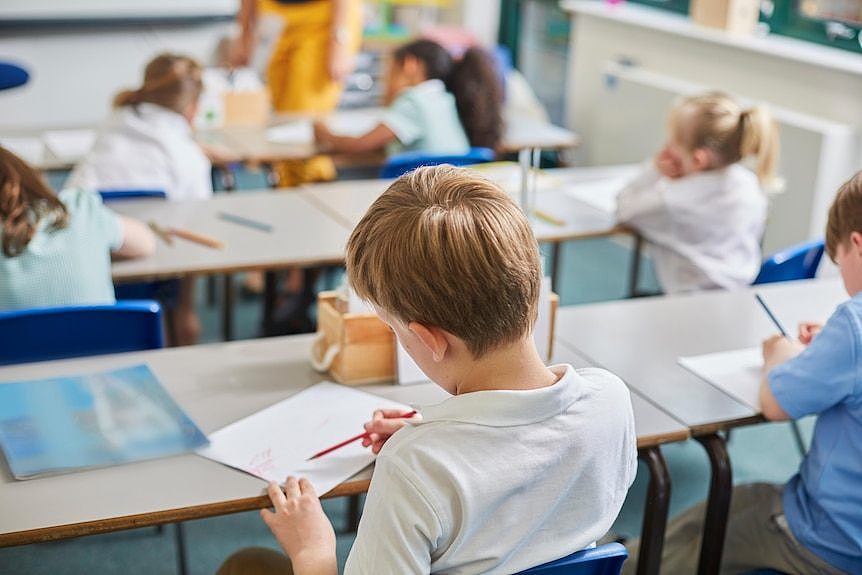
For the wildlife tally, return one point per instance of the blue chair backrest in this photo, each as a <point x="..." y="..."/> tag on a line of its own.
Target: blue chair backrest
<point x="46" y="333"/>
<point x="797" y="262"/>
<point x="602" y="560"/>
<point x="12" y="76"/>
<point x="131" y="194"/>
<point x="408" y="161"/>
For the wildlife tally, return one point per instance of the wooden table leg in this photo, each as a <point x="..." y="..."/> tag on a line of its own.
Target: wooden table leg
<point x="717" y="505"/>
<point x="655" y="511"/>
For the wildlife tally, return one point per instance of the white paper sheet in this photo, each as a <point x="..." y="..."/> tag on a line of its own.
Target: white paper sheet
<point x="601" y="194"/>
<point x="298" y="132"/>
<point x="69" y="145"/>
<point x="31" y="150"/>
<point x="737" y="372"/>
<point x="277" y="441"/>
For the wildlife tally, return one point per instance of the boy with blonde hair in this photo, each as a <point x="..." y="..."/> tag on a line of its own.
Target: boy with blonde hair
<point x="813" y="523"/>
<point x="525" y="463"/>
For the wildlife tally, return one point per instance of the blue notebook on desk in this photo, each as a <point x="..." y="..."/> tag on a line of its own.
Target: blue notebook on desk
<point x="66" y="423"/>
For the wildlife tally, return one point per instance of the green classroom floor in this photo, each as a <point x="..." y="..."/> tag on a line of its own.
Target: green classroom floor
<point x="593" y="270"/>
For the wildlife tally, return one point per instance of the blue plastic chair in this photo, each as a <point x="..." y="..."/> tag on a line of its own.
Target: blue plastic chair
<point x="12" y="76"/>
<point x="113" y="195"/>
<point x="408" y="161"/>
<point x="797" y="262"/>
<point x="46" y="333"/>
<point x="602" y="560"/>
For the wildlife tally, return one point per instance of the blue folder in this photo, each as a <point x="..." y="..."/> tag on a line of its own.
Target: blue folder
<point x="62" y="424"/>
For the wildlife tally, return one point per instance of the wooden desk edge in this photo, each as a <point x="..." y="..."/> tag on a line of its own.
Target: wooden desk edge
<point x="715" y="427"/>
<point x="121" y="277"/>
<point x="42" y="534"/>
<point x="662" y="438"/>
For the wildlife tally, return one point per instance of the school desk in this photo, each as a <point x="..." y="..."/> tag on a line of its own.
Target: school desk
<point x="301" y="235"/>
<point x="216" y="384"/>
<point x="577" y="219"/>
<point x="640" y="340"/>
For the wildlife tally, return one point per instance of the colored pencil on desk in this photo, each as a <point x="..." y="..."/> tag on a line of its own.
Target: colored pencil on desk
<point x="161" y="232"/>
<point x="245" y="221"/>
<point x="548" y="218"/>
<point x="354" y="438"/>
<point x="197" y="238"/>
<point x="770" y="314"/>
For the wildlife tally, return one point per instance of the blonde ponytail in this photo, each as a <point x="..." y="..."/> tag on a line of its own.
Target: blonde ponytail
<point x="170" y="81"/>
<point x="759" y="138"/>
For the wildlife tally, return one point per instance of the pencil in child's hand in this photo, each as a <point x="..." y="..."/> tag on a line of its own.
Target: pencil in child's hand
<point x="407" y="415"/>
<point x="197" y="238"/>
<point x="161" y="232"/>
<point x="770" y="314"/>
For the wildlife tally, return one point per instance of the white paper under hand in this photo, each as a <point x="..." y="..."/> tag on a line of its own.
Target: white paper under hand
<point x="737" y="372"/>
<point x="277" y="441"/>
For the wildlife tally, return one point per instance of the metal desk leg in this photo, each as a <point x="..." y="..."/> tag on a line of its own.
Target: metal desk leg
<point x="635" y="265"/>
<point x="354" y="513"/>
<point x="655" y="512"/>
<point x="555" y="265"/>
<point x="182" y="563"/>
<point x="227" y="312"/>
<point x="270" y="293"/>
<point x="717" y="505"/>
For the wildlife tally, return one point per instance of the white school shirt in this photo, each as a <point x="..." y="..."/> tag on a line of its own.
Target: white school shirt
<point x="146" y="146"/>
<point x="498" y="481"/>
<point x="704" y="229"/>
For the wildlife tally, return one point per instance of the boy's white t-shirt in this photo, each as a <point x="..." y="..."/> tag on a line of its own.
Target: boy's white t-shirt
<point x="704" y="229"/>
<point x="148" y="147"/>
<point x="499" y="481"/>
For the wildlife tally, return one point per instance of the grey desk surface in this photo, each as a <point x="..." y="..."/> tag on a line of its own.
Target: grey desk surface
<point x="640" y="340"/>
<point x="216" y="384"/>
<point x="302" y="234"/>
<point x="347" y="201"/>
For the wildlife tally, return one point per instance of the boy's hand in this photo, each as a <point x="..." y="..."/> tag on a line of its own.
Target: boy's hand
<point x="383" y="424"/>
<point x="807" y="331"/>
<point x="667" y="164"/>
<point x="301" y="527"/>
<point x="778" y="349"/>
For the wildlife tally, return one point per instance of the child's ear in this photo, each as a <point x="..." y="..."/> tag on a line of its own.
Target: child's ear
<point x="431" y="337"/>
<point x="702" y="159"/>
<point x="856" y="242"/>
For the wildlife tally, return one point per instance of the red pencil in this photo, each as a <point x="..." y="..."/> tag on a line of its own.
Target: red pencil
<point x="355" y="438"/>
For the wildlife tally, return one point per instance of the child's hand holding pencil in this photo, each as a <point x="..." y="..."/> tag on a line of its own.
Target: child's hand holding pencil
<point x="383" y="424"/>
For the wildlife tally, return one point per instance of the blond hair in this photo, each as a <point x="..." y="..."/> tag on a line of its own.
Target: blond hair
<point x="171" y="81"/>
<point x="716" y="122"/>
<point x="443" y="246"/>
<point x="845" y="215"/>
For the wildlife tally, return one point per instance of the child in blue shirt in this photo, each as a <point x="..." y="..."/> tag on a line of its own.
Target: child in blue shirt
<point x="813" y="523"/>
<point x="434" y="104"/>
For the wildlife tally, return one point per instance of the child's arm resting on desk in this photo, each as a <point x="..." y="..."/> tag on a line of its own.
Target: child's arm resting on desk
<point x="376" y="139"/>
<point x="799" y="380"/>
<point x="138" y="240"/>
<point x="301" y="527"/>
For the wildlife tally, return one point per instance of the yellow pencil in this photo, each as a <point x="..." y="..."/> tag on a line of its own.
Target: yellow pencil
<point x="197" y="238"/>
<point x="548" y="218"/>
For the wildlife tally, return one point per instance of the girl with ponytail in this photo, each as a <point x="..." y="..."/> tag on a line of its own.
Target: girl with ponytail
<point x="434" y="104"/>
<point x="700" y="206"/>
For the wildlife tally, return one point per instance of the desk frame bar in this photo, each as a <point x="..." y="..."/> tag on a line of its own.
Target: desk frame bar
<point x="655" y="511"/>
<point x="718" y="504"/>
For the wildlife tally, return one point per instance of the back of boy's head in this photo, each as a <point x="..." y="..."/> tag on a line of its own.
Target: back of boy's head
<point x="171" y="81"/>
<point x="445" y="247"/>
<point x="716" y="122"/>
<point x="25" y="198"/>
<point x="845" y="215"/>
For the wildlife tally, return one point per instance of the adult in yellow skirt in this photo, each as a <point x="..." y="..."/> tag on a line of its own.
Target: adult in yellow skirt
<point x="310" y="61"/>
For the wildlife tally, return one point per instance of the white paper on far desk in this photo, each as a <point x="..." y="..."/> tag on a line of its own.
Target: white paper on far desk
<point x="300" y="132"/>
<point x="69" y="145"/>
<point x="737" y="372"/>
<point x="277" y="441"/>
<point x="601" y="194"/>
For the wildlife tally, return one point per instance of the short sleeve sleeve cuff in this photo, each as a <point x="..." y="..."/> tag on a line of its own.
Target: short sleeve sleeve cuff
<point x="402" y="118"/>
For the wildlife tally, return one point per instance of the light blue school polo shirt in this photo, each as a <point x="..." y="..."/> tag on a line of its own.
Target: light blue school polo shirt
<point x="424" y="117"/>
<point x="823" y="502"/>
<point x="69" y="266"/>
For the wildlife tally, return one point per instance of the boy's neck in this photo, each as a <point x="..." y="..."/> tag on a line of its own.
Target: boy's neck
<point x="512" y="367"/>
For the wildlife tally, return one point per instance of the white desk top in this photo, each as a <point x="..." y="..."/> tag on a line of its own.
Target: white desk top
<point x="216" y="384"/>
<point x="347" y="201"/>
<point x="640" y="340"/>
<point x="302" y="235"/>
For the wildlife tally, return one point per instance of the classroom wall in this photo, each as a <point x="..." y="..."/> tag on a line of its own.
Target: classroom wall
<point x="76" y="70"/>
<point x="813" y="83"/>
